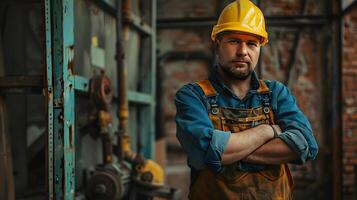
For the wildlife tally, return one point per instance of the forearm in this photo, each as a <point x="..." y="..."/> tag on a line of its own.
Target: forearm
<point x="241" y="144"/>
<point x="273" y="152"/>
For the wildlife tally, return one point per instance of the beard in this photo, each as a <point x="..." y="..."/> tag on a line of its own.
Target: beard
<point x="230" y="72"/>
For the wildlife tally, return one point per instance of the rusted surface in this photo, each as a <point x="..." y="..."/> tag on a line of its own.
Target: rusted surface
<point x="101" y="91"/>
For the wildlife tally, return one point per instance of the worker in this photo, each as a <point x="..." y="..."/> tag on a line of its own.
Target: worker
<point x="238" y="131"/>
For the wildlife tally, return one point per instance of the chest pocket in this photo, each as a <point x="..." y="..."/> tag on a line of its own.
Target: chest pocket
<point x="236" y="120"/>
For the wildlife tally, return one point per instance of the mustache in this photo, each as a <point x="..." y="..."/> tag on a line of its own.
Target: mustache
<point x="240" y="60"/>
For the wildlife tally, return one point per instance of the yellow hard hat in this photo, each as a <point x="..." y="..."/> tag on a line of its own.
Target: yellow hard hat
<point x="243" y="16"/>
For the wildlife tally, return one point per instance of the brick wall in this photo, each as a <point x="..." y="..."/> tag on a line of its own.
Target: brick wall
<point x="291" y="7"/>
<point x="349" y="109"/>
<point x="305" y="83"/>
<point x="175" y="73"/>
<point x="185" y="9"/>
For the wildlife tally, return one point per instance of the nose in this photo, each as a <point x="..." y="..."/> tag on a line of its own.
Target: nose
<point x="242" y="49"/>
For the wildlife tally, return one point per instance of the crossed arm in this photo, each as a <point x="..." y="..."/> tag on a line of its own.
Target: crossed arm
<point x="205" y="146"/>
<point x="258" y="147"/>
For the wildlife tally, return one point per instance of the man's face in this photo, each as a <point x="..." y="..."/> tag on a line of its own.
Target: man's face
<point x="238" y="54"/>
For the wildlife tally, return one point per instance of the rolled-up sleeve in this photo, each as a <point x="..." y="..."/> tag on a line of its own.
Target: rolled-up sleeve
<point x="297" y="132"/>
<point x="203" y="144"/>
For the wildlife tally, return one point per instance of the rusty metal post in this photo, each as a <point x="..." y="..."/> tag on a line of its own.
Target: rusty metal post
<point x="336" y="101"/>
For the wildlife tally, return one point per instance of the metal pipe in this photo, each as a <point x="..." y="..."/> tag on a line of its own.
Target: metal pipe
<point x="122" y="76"/>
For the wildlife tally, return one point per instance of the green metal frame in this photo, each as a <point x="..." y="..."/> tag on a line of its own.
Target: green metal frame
<point x="151" y="122"/>
<point x="60" y="97"/>
<point x="49" y="95"/>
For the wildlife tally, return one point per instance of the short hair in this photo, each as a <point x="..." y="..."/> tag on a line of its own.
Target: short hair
<point x="223" y="33"/>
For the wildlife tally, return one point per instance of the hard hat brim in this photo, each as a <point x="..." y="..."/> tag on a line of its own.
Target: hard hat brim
<point x="233" y="26"/>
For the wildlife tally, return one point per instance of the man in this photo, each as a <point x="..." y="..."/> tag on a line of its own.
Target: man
<point x="240" y="132"/>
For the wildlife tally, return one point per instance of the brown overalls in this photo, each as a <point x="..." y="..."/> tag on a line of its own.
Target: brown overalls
<point x="274" y="183"/>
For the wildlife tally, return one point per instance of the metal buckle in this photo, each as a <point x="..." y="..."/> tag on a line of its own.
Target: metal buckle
<point x="266" y="110"/>
<point x="214" y="109"/>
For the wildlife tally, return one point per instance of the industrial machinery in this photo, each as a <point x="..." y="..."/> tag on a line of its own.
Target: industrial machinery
<point x="123" y="173"/>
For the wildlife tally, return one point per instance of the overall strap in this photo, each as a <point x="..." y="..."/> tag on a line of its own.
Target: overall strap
<point x="211" y="95"/>
<point x="263" y="88"/>
<point x="265" y="93"/>
<point x="266" y="97"/>
<point x="207" y="88"/>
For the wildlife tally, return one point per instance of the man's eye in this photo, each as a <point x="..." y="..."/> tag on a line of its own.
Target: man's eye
<point x="253" y="44"/>
<point x="233" y="41"/>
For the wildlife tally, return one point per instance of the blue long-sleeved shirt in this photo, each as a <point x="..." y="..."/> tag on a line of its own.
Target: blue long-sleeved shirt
<point x="205" y="145"/>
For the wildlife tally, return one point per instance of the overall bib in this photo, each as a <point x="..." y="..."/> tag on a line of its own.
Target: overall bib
<point x="274" y="182"/>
